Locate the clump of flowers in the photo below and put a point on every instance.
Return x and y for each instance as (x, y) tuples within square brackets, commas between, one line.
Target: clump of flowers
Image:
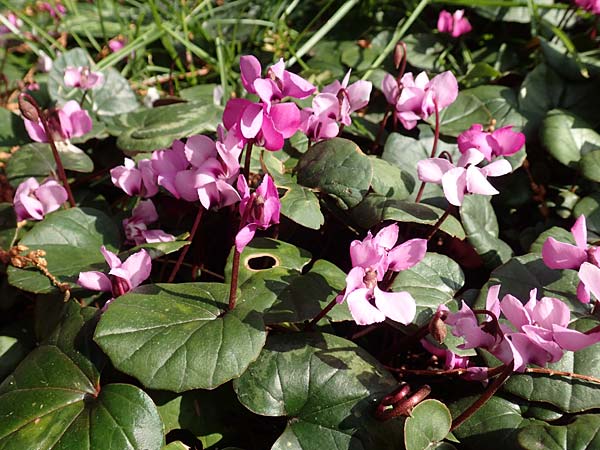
[(136, 226), (500, 142), (417, 98)]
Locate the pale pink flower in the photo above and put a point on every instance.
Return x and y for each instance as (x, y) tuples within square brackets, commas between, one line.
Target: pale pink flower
[(44, 63), (133, 179), (199, 170), (13, 20), (465, 177), (351, 98), (65, 122), (82, 78), (34, 201), (371, 259), (500, 142), (417, 98), (455, 24), (136, 226), (122, 277), (560, 255), (258, 210), (56, 11)]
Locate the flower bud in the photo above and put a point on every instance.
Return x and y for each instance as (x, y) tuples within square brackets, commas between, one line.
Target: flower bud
[(29, 108), (437, 327)]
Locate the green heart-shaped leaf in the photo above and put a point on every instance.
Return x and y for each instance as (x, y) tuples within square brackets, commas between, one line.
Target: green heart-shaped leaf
[(428, 424), (178, 337), (72, 239), (326, 386)]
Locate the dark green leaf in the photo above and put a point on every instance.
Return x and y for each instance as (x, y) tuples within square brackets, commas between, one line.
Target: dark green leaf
[(152, 129), (568, 137), (590, 165), (326, 386), (16, 341), (376, 208), (581, 434), (428, 424), (178, 337), (480, 224), (339, 168), (302, 206), (432, 282), (390, 180), (8, 225), (71, 239), (36, 160), (12, 130), (590, 207)]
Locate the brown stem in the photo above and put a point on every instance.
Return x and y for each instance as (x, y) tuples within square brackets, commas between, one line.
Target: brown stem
[(492, 372), (381, 128), (402, 404), (235, 270), (59, 166), (439, 223), (489, 392), (187, 247), (365, 331), (310, 325)]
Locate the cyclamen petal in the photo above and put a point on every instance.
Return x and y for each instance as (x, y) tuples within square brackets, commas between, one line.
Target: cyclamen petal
[(560, 255), (407, 254), (398, 306), (454, 184), (95, 281), (433, 169), (363, 312), (589, 275)]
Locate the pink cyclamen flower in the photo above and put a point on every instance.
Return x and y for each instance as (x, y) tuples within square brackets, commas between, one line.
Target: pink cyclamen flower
[(465, 178), (122, 277), (536, 333), (258, 210), (65, 123), (117, 43), (455, 24), (199, 170), (560, 255), (44, 63), (34, 201), (83, 78), (334, 104), (418, 98), (500, 142), (592, 6), (136, 226), (140, 180), (371, 259)]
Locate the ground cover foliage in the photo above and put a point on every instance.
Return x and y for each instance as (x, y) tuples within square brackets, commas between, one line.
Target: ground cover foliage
[(299, 225)]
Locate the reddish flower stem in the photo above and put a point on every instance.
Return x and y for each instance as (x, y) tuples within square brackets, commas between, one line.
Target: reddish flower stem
[(187, 247), (235, 268), (439, 223), (310, 325), (59, 165), (488, 393), (436, 138)]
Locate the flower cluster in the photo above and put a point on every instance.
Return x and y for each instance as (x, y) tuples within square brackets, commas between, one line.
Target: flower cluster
[(372, 258), (64, 123), (136, 227), (416, 98), (534, 333)]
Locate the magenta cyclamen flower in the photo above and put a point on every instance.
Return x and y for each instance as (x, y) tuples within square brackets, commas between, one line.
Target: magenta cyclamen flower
[(418, 98), (560, 255), (122, 277), (268, 122), (500, 142), (13, 20), (371, 259), (65, 122), (258, 210), (592, 6), (34, 201), (538, 332), (140, 180), (455, 24), (136, 227), (334, 104), (56, 11), (83, 78), (465, 178), (196, 170)]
